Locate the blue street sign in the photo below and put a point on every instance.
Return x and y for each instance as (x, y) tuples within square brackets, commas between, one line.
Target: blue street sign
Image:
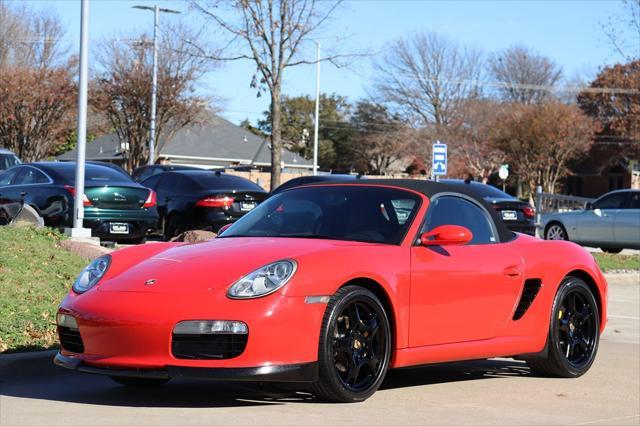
[(439, 159)]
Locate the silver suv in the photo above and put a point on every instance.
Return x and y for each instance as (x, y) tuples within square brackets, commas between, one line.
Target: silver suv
[(8, 159)]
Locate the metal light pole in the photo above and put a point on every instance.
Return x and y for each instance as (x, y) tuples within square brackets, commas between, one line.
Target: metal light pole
[(317, 120), (78, 211), (154, 78)]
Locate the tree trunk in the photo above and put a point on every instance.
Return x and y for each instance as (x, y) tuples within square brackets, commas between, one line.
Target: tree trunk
[(276, 141)]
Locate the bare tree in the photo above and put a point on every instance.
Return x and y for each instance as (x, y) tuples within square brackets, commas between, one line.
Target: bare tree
[(524, 76), (273, 34), (31, 38), (428, 76), (469, 139), (123, 94), (623, 31)]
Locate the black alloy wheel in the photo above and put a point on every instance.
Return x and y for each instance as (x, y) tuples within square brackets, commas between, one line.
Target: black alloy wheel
[(355, 346), (574, 332)]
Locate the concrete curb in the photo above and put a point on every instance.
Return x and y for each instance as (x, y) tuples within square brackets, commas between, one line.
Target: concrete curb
[(623, 278), (23, 364)]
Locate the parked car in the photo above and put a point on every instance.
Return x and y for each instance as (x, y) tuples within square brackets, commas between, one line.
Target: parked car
[(518, 215), (115, 207), (326, 285), (612, 222), (144, 172), (305, 180), (201, 199), (8, 159)]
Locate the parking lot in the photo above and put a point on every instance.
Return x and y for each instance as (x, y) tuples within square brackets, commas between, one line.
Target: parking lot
[(498, 391)]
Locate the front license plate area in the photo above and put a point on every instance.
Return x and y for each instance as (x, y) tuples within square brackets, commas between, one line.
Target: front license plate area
[(118, 228), (246, 206), (509, 215)]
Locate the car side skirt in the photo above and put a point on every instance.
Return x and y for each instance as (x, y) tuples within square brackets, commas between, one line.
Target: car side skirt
[(302, 373)]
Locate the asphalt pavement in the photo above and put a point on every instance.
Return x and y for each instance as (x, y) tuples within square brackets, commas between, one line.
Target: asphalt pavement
[(497, 391)]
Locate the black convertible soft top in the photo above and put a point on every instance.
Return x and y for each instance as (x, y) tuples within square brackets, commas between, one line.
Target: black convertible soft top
[(430, 188)]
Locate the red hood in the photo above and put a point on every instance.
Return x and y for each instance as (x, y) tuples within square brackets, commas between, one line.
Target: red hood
[(205, 267)]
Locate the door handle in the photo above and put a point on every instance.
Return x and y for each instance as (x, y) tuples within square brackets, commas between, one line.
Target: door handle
[(22, 194), (512, 271)]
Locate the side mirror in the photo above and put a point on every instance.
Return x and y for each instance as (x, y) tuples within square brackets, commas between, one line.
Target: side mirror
[(224, 228), (446, 235), (588, 205)]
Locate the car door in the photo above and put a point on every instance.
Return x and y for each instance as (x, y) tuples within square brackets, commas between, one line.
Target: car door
[(462, 293), (627, 222), (596, 225)]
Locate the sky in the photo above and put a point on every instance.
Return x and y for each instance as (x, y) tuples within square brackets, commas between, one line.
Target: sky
[(567, 31)]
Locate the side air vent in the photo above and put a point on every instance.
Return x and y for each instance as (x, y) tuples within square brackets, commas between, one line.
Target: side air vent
[(529, 292)]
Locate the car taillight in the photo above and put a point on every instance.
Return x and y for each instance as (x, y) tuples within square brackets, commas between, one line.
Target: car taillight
[(528, 212), (85, 199), (224, 202), (151, 199)]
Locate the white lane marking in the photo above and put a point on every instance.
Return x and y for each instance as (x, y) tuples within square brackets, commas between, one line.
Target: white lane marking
[(607, 420), (624, 317)]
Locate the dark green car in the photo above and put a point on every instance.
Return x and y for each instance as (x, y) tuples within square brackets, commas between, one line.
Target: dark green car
[(115, 207)]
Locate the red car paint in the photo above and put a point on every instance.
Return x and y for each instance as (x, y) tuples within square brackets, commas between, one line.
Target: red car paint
[(449, 304)]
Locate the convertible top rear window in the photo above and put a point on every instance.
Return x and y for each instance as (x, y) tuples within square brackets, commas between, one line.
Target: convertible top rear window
[(351, 213)]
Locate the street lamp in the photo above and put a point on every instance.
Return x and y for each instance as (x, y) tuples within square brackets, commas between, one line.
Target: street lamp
[(317, 112), (78, 231), (154, 79)]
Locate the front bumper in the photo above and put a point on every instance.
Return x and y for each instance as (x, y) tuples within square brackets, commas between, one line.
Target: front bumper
[(301, 373), (134, 330)]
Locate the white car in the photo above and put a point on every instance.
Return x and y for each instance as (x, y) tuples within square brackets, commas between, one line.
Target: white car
[(612, 222), (8, 159)]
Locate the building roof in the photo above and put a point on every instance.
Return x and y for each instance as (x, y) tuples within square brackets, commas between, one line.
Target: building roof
[(214, 139), (105, 148)]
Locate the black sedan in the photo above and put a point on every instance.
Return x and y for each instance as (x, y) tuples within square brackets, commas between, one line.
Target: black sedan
[(202, 199), (306, 180), (518, 215), (115, 207)]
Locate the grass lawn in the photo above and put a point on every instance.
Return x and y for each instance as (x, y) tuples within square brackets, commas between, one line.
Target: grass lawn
[(611, 262), (35, 274)]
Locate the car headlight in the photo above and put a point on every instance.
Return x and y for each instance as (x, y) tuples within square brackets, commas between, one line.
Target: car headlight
[(92, 274), (263, 281)]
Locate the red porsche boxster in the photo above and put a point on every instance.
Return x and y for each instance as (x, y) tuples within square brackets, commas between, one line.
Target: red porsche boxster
[(333, 284)]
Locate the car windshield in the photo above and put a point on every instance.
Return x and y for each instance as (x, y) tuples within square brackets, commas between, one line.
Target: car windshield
[(342, 212), (94, 175), (213, 181), (488, 191), (8, 160)]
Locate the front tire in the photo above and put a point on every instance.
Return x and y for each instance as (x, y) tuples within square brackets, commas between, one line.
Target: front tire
[(355, 346), (138, 382), (574, 332)]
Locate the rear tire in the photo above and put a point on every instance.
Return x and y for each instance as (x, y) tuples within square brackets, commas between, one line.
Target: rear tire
[(355, 346), (555, 231), (611, 250), (173, 227), (138, 382), (574, 332)]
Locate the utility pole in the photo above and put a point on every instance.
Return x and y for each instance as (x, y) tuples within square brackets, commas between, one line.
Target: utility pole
[(317, 120), (154, 77), (78, 231)]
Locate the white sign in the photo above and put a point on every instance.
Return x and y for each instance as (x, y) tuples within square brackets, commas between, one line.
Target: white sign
[(439, 159), (504, 172)]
